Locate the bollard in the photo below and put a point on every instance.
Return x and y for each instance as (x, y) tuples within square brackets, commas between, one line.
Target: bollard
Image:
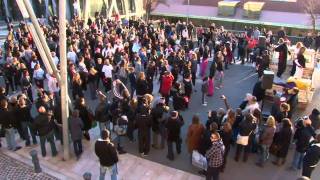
[(87, 176), (34, 155)]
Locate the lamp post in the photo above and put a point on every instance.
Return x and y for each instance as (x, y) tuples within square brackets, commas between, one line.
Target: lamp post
[(64, 80), (188, 12)]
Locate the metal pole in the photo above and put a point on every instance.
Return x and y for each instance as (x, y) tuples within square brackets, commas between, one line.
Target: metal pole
[(188, 12), (64, 80)]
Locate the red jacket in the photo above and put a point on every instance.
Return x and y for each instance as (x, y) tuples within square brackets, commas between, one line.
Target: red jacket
[(166, 84)]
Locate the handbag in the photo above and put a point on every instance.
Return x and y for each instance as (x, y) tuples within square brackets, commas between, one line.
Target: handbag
[(198, 160), (242, 140), (274, 148)]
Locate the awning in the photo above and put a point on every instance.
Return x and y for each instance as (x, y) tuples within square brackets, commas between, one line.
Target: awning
[(227, 8), (252, 9)]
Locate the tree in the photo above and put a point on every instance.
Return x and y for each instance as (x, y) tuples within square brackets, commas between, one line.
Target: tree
[(312, 7)]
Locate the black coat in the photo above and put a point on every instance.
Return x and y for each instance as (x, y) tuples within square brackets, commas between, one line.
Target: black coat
[(143, 122), (141, 87), (283, 140), (302, 137), (43, 124), (173, 129), (106, 153), (6, 119)]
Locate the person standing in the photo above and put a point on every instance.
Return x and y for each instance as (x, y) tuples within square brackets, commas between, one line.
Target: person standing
[(204, 90), (143, 121), (302, 138), (173, 127), (44, 124), (8, 124), (282, 141), (283, 56), (107, 70), (214, 157), (312, 157), (266, 140), (195, 132), (76, 126), (300, 62), (107, 154), (166, 85)]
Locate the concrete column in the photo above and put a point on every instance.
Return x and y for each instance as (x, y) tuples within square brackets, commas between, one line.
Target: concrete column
[(64, 78)]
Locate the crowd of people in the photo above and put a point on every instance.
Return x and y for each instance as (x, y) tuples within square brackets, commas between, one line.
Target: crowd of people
[(126, 59)]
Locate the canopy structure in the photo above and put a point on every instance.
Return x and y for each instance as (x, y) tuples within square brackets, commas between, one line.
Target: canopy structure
[(269, 18), (252, 9), (227, 8)]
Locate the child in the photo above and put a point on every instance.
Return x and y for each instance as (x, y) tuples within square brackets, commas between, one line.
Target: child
[(210, 86), (76, 126), (204, 90)]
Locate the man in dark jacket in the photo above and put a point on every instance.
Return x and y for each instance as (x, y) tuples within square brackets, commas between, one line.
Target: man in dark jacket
[(315, 119), (8, 124), (312, 157), (283, 55), (143, 121), (107, 154), (45, 126), (173, 126), (302, 138), (157, 114)]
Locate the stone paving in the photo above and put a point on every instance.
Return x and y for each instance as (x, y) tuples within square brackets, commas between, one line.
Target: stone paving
[(12, 169)]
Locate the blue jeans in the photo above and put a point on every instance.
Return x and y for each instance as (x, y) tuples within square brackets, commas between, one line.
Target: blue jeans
[(113, 170), (50, 138), (10, 138), (297, 160), (263, 153), (26, 127)]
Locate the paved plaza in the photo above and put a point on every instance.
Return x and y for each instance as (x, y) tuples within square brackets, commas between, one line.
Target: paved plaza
[(239, 80)]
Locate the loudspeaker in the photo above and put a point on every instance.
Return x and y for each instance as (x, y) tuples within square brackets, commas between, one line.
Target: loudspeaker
[(267, 79)]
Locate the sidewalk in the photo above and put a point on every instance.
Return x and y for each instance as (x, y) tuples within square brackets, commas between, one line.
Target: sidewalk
[(130, 167)]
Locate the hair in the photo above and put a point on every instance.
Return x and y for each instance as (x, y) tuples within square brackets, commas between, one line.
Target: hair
[(227, 127), (75, 113), (215, 135), (105, 134), (231, 116), (271, 122), (285, 107), (302, 50), (213, 127), (141, 76), (195, 119), (286, 123), (4, 103)]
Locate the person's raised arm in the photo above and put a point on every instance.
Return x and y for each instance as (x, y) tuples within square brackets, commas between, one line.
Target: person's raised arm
[(224, 98)]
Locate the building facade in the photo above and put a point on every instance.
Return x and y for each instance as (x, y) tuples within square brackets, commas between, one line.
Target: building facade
[(85, 8)]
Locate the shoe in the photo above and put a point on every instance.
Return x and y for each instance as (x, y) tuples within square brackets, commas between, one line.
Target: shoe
[(204, 104), (154, 146), (217, 87), (27, 143), (276, 163), (17, 148), (171, 159), (121, 151), (143, 155), (259, 165)]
